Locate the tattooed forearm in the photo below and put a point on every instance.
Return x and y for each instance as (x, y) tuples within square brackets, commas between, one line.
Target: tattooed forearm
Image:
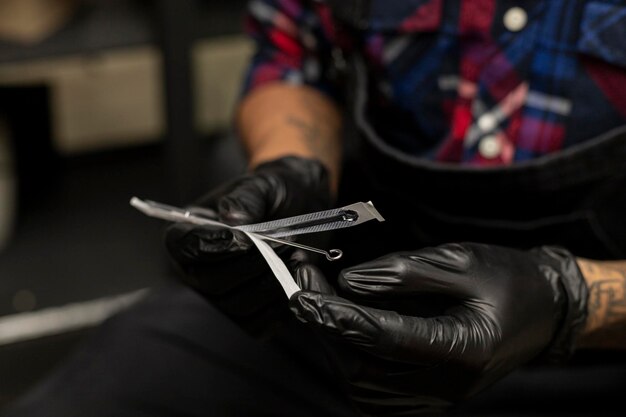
[(606, 321), (313, 133), (310, 130), (279, 120)]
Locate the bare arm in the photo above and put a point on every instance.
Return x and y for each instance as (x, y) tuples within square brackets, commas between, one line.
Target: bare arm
[(279, 119), (606, 321)]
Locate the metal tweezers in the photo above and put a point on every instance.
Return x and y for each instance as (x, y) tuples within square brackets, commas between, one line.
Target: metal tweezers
[(320, 221)]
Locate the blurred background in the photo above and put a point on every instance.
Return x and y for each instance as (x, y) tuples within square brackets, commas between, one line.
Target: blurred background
[(102, 100)]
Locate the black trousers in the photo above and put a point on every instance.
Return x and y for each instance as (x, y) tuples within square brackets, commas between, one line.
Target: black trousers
[(173, 354)]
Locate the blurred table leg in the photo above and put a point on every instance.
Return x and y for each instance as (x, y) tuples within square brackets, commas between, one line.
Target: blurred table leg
[(182, 145), (7, 185)]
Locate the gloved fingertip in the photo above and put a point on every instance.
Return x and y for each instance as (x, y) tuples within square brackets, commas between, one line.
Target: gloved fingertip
[(235, 218), (232, 212), (191, 243), (305, 306), (310, 278), (336, 317), (348, 281), (372, 283), (298, 258)]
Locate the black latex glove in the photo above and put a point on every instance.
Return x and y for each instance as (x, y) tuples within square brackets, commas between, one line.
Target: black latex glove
[(225, 266), (504, 307)]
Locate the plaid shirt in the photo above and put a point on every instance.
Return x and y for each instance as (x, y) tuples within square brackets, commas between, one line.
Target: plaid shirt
[(481, 82)]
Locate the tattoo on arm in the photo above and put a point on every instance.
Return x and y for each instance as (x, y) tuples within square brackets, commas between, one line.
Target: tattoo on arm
[(606, 320), (317, 131), (310, 131), (279, 120)]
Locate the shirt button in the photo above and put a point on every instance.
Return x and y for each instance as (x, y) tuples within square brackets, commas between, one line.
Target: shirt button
[(489, 147), (515, 19), (487, 122)]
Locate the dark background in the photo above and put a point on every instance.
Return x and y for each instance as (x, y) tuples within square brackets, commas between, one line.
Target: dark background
[(75, 237)]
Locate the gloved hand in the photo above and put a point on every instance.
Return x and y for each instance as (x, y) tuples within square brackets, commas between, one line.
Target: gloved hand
[(504, 307), (225, 266)]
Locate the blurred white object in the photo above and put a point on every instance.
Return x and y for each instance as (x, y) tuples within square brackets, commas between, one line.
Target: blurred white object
[(33, 325), (8, 186)]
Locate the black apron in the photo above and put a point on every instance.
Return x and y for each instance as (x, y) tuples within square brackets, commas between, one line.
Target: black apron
[(575, 198)]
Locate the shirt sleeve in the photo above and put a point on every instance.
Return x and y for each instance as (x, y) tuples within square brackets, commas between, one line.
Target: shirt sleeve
[(292, 44)]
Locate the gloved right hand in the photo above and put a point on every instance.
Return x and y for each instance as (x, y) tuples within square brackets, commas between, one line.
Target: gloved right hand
[(503, 308), (225, 266)]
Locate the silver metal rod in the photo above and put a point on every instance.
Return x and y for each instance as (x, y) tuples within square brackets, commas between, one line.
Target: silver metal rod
[(331, 255)]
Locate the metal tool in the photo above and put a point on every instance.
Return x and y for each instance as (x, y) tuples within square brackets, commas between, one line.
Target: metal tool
[(331, 255), (321, 221)]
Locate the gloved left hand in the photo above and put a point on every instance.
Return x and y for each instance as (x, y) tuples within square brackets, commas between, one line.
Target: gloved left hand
[(504, 307), (224, 265)]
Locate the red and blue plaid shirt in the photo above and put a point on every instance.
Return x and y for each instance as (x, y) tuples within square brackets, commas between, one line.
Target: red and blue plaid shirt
[(480, 82)]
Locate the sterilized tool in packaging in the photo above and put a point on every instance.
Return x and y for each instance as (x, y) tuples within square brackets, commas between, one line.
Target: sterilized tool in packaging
[(321, 221)]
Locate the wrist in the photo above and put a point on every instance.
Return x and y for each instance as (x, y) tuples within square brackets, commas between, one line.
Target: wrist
[(605, 326), (262, 158), (303, 182), (279, 119), (310, 172), (570, 291)]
